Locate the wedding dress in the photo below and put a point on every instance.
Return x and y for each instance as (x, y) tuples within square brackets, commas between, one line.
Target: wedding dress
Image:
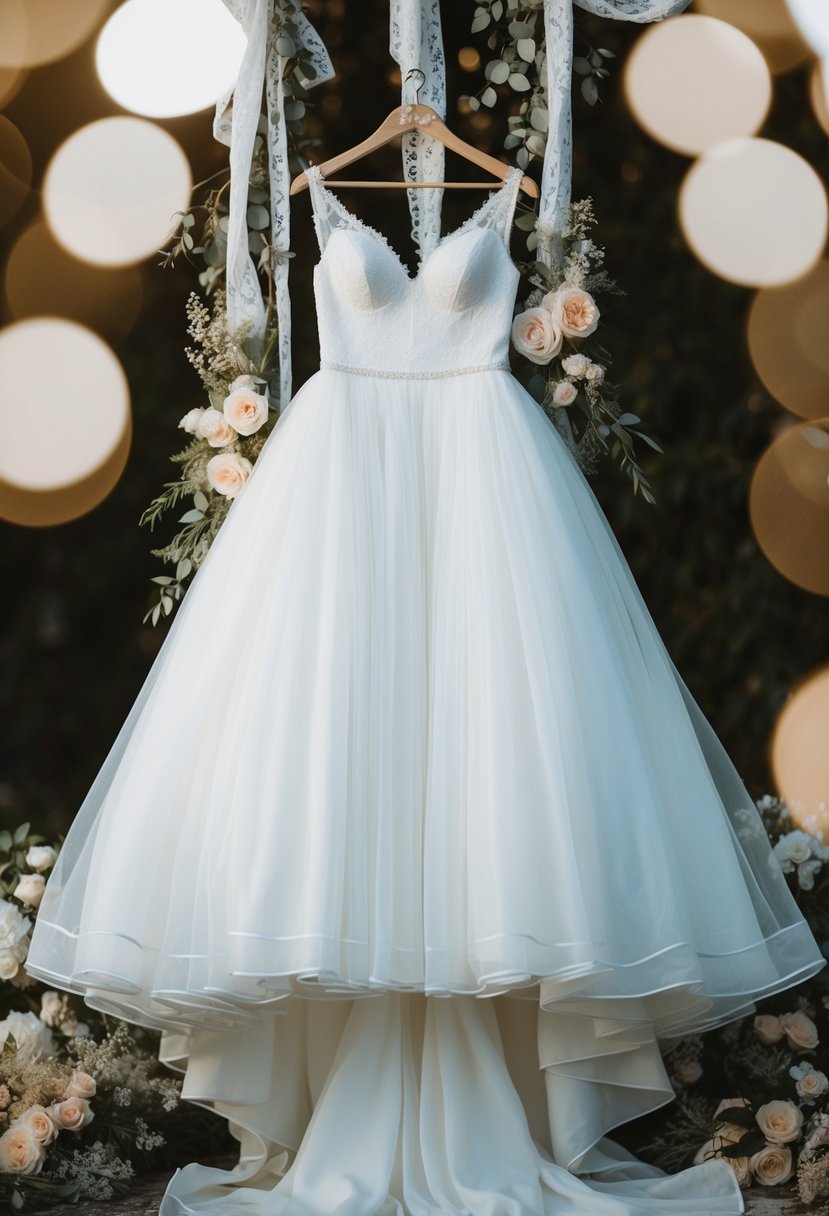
[(414, 844)]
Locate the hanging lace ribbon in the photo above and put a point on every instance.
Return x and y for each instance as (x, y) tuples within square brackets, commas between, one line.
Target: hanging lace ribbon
[(235, 124), (416, 44), (558, 156)]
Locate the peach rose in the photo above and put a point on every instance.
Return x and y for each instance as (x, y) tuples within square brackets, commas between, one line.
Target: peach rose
[(81, 1085), (565, 393), (772, 1165), (215, 428), (768, 1028), (245, 410), (228, 472), (574, 311), (20, 1151), (72, 1113), (800, 1031), (30, 888), (780, 1120), (536, 335), (729, 1102), (40, 1121)]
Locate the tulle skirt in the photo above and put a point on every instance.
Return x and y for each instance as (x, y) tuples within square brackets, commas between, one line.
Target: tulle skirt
[(413, 735)]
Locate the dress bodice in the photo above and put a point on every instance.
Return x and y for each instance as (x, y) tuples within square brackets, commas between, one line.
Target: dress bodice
[(453, 315)]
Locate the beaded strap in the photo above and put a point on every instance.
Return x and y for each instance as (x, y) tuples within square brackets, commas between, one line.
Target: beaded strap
[(430, 375)]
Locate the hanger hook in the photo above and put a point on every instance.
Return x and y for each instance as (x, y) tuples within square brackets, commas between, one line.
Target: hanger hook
[(422, 81)]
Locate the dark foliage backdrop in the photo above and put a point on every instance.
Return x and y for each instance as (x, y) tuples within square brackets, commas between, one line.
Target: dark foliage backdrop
[(73, 652)]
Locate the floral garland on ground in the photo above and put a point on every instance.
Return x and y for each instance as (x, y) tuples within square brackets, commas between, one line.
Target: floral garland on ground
[(229, 433), (776, 1061), (561, 314), (84, 1105)]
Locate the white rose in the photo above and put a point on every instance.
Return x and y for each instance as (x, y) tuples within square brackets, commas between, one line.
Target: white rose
[(190, 421), (215, 428), (565, 393), (772, 1165), (228, 472), (768, 1029), (20, 1151), (41, 856), (52, 1007), (576, 365), (245, 410), (9, 964), (807, 871), (243, 381), (81, 1085), (13, 928), (40, 1121), (32, 1039), (574, 310), (595, 372), (780, 1120), (74, 1029), (810, 1084), (536, 335), (72, 1113), (29, 889), (800, 1031)]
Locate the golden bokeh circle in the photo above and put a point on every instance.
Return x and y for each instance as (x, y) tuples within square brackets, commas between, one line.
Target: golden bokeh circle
[(799, 755), (789, 504), (769, 23), (787, 339)]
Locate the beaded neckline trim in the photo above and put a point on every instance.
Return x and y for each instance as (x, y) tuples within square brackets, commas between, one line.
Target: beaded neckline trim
[(398, 375)]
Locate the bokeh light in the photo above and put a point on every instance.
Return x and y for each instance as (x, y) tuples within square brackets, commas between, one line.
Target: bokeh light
[(164, 60), (34, 32), (769, 23), (787, 332), (469, 60), (754, 212), (812, 20), (817, 95), (41, 277), (694, 81), (65, 407), (799, 755), (111, 190), (789, 504), (15, 169)]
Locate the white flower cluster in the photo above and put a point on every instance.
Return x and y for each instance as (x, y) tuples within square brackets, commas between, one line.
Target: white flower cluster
[(816, 1134), (243, 412), (23, 1145), (92, 1168), (803, 852), (14, 939), (810, 1082)]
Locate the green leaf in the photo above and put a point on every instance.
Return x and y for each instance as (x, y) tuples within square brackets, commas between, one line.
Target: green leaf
[(21, 833), (163, 580), (156, 613), (190, 517), (183, 568), (188, 221), (650, 441), (497, 71), (473, 103), (581, 66), (294, 110), (200, 500), (628, 419), (480, 23), (5, 841), (537, 144), (539, 118), (167, 604), (489, 96), (497, 10), (526, 49), (285, 45), (519, 81), (605, 53), (520, 29), (526, 222), (590, 90), (257, 217)]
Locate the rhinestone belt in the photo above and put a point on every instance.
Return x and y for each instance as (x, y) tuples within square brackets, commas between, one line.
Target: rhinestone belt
[(395, 375)]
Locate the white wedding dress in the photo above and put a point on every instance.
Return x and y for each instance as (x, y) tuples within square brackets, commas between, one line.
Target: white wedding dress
[(414, 844)]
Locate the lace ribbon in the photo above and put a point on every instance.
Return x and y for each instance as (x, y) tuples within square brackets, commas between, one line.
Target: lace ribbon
[(235, 124), (416, 44), (558, 156)]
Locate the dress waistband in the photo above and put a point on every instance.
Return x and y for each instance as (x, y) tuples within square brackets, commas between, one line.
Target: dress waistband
[(398, 375)]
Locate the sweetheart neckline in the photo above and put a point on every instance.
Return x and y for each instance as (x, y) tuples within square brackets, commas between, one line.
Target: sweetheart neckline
[(510, 182)]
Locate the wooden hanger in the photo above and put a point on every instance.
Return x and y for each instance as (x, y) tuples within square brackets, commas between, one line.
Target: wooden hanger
[(410, 118)]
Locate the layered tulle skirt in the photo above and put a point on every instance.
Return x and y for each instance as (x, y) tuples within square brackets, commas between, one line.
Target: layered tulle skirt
[(413, 735)]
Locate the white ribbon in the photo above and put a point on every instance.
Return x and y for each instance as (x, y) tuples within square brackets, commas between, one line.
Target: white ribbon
[(556, 176), (235, 124), (416, 44)]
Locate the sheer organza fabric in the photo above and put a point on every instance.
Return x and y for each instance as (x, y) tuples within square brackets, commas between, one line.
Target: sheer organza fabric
[(413, 818)]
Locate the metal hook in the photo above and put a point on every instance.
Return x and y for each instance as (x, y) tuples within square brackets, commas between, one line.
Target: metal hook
[(420, 86)]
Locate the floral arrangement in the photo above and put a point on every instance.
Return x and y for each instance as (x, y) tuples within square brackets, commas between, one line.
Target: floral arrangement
[(229, 433), (561, 314), (84, 1105), (776, 1130)]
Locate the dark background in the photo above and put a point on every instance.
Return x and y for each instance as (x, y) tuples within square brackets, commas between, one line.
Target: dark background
[(73, 650)]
